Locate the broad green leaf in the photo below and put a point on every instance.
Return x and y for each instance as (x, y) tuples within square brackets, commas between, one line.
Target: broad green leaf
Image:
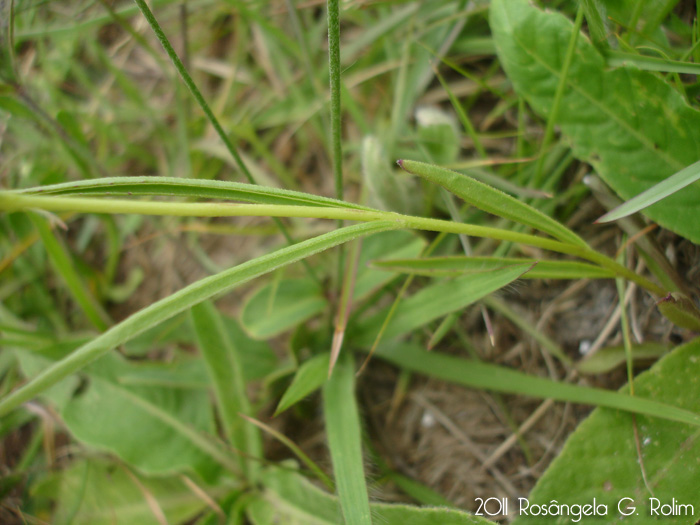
[(631, 125), (606, 359), (486, 376), (435, 301), (224, 363), (608, 469), (180, 187), (654, 194), (280, 306), (290, 499), (345, 441), (259, 359), (491, 200), (309, 377), (180, 301), (164, 424), (94, 492), (455, 265)]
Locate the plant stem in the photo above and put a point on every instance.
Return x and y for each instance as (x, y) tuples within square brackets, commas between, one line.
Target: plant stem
[(11, 202), (334, 68)]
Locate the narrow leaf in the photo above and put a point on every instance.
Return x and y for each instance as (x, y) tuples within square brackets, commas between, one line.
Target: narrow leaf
[(180, 301), (224, 365), (436, 301), (491, 200), (606, 359), (457, 264), (486, 376), (63, 265), (649, 63), (659, 191), (180, 187), (345, 442)]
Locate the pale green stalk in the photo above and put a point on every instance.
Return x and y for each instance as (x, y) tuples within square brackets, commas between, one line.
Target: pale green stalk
[(17, 202)]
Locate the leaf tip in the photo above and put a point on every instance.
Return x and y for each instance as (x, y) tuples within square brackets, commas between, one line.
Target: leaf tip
[(400, 164), (602, 219)]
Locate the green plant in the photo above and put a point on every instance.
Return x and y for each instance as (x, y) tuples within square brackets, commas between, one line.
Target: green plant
[(136, 390)]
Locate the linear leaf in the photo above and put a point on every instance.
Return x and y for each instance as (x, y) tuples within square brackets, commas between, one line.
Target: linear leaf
[(491, 200), (182, 300), (63, 265), (435, 301), (345, 442), (631, 125), (659, 191), (223, 362), (486, 376), (459, 264), (178, 187), (606, 359), (648, 63)]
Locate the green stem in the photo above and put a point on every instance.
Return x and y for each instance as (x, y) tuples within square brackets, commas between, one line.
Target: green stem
[(334, 68), (558, 96), (187, 79), (11, 202)]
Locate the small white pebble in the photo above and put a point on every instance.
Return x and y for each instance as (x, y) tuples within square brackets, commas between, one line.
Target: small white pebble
[(584, 347), (428, 420)]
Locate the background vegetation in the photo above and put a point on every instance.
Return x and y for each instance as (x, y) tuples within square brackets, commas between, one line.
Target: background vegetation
[(223, 301)]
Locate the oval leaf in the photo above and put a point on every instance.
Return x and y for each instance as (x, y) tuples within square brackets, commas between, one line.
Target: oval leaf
[(600, 459), (631, 125)]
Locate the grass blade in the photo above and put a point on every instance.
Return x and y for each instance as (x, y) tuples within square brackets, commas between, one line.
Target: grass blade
[(435, 301), (61, 261), (659, 191), (187, 79), (180, 301), (491, 200), (345, 442), (648, 63), (500, 379), (180, 187), (224, 366)]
